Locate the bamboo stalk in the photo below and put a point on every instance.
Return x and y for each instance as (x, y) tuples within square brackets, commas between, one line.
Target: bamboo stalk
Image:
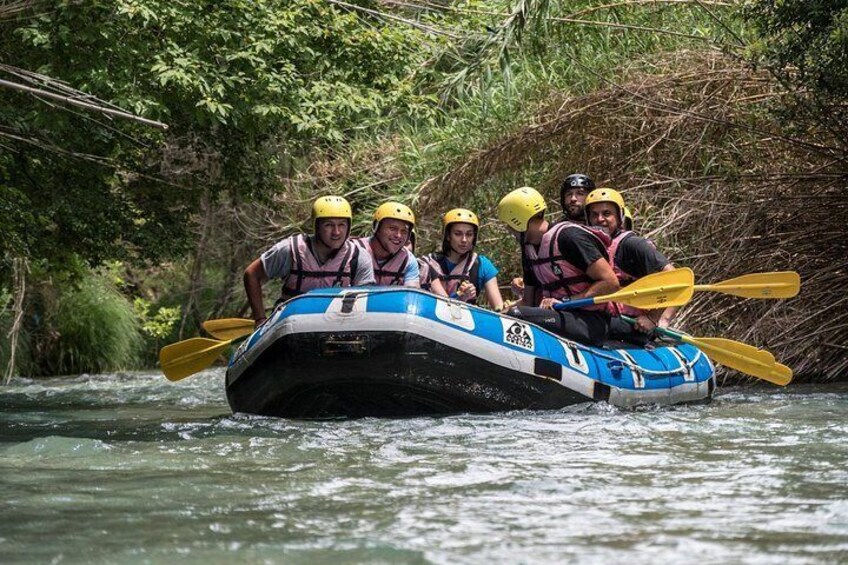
[(79, 103)]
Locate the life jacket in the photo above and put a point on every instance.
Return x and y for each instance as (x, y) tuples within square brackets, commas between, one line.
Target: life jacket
[(307, 273), (466, 270), (392, 271), (428, 272), (624, 278), (558, 278)]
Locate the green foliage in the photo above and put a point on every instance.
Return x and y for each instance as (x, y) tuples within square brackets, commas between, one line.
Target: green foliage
[(804, 43), (158, 325), (807, 39), (245, 86), (88, 327)]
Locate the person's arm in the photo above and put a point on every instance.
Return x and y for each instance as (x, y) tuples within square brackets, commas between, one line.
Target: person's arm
[(411, 278), (493, 294), (531, 296), (254, 276), (641, 258), (604, 280), (364, 275), (659, 317), (436, 287)]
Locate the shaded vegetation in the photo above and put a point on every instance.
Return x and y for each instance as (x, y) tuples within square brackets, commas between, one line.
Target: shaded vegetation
[(437, 104)]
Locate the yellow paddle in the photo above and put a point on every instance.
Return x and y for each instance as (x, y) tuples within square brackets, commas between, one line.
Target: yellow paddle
[(184, 358), (781, 375), (657, 290), (228, 328), (782, 284), (734, 354)]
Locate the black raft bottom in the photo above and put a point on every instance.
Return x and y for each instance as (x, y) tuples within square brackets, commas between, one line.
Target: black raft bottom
[(386, 374)]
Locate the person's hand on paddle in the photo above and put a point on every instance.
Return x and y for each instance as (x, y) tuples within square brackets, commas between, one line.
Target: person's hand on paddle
[(466, 291), (517, 287), (644, 324), (549, 303), (507, 305)]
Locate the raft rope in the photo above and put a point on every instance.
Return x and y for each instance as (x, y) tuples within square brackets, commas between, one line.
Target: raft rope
[(684, 368)]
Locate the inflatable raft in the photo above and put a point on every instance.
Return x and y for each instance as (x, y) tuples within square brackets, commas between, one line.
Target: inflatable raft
[(353, 352)]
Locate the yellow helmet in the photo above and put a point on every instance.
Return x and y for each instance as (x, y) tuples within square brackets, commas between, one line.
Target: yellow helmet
[(460, 215), (628, 219), (395, 211), (516, 208), (330, 207), (606, 195), (456, 216)]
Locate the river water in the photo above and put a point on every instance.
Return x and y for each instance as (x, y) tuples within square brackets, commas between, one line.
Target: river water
[(130, 468)]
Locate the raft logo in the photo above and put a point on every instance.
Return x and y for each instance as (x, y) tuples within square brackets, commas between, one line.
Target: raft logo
[(516, 333)]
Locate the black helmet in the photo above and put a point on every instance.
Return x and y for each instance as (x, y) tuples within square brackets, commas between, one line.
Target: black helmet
[(576, 180)]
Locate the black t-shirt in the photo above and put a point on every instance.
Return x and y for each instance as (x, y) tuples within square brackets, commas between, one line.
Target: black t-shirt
[(579, 248), (638, 258)]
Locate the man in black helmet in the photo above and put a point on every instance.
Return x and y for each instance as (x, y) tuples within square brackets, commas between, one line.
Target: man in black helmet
[(572, 194)]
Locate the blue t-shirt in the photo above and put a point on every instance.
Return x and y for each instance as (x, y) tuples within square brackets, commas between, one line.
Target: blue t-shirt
[(412, 273), (486, 272)]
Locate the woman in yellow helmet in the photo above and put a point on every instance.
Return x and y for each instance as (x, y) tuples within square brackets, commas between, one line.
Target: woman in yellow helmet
[(327, 258), (466, 274)]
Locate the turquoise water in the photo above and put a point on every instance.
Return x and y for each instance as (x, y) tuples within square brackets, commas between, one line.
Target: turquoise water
[(130, 468)]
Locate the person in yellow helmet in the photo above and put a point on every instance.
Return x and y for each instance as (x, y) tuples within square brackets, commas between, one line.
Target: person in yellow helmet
[(632, 257), (466, 274), (560, 262), (326, 258), (394, 264)]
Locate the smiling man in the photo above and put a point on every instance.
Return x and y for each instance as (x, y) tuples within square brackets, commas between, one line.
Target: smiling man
[(327, 258), (394, 264), (631, 257)]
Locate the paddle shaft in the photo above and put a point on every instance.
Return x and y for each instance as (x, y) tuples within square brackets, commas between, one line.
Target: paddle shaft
[(657, 290)]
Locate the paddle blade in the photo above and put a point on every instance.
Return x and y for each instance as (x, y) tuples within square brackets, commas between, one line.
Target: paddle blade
[(184, 358), (736, 355), (229, 328), (781, 375), (783, 284), (657, 290)]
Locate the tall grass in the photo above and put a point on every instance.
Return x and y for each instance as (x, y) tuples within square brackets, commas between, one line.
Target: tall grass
[(88, 327)]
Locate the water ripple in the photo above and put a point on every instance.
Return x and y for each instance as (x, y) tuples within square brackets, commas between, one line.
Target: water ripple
[(129, 467)]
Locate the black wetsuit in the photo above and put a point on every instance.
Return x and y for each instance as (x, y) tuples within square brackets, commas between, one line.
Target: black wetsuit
[(586, 326)]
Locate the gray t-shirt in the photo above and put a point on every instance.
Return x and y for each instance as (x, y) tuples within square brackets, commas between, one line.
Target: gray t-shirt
[(277, 262)]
